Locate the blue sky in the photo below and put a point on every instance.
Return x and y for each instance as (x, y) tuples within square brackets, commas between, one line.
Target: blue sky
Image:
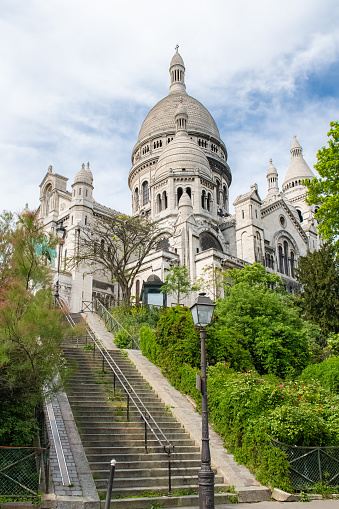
[(78, 77)]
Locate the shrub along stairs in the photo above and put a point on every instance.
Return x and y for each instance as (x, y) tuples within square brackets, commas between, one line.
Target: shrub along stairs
[(111, 426)]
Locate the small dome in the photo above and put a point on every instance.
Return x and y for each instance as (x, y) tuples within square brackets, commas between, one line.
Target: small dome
[(84, 176), (177, 59), (185, 201), (182, 153), (298, 168), (271, 171), (181, 110)]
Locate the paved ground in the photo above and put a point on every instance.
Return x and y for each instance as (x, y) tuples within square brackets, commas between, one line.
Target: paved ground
[(315, 504)]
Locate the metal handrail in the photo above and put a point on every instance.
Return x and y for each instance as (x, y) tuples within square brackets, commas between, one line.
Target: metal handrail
[(107, 316), (129, 390)]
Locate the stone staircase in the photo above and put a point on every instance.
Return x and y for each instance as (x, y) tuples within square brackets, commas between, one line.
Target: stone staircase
[(141, 478)]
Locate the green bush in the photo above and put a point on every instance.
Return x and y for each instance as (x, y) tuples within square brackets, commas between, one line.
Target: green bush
[(257, 326), (178, 341), (122, 339), (326, 372), (148, 344), (133, 319), (18, 424)]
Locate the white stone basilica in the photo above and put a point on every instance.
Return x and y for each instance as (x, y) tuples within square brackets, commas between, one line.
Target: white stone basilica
[(180, 176)]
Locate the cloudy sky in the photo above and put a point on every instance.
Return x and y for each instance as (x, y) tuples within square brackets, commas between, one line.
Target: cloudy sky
[(77, 78)]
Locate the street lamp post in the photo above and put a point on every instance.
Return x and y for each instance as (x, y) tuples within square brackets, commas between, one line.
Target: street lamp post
[(202, 312), (61, 234)]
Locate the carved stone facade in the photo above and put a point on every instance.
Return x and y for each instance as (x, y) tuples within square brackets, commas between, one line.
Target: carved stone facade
[(180, 176)]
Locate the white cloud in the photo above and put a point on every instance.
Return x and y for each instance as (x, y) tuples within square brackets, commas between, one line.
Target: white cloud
[(79, 77)]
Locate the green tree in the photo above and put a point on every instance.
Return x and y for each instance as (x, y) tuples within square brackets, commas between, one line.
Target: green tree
[(117, 244), (318, 274), (31, 329), (178, 283), (324, 191), (211, 281), (258, 316)]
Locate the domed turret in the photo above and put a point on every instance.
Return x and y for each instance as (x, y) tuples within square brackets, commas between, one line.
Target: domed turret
[(185, 206), (272, 183), (177, 72), (84, 176), (298, 171)]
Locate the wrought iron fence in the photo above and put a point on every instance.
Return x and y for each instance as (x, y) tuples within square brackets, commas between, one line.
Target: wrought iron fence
[(24, 471), (310, 465)]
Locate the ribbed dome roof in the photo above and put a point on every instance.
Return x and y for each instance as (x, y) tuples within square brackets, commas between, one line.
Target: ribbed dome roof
[(298, 168), (177, 60), (161, 118), (271, 171), (181, 153), (84, 176)]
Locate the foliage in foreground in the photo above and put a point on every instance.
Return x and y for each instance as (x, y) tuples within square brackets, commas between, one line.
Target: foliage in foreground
[(318, 273), (326, 372), (31, 329), (247, 409), (257, 327), (323, 191)]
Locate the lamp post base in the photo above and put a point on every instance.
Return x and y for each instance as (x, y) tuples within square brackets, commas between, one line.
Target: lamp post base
[(206, 487)]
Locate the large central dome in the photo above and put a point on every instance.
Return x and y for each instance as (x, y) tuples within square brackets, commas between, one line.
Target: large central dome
[(161, 118), (159, 129)]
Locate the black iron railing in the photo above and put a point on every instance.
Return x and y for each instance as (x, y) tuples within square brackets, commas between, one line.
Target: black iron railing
[(111, 323), (132, 397), (310, 465)]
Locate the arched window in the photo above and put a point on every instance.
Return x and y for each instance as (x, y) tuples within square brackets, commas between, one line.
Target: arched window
[(286, 257), (218, 192), (159, 203), (281, 260), (179, 194), (209, 202), (203, 198), (145, 193), (292, 263), (136, 198), (48, 198), (224, 196), (188, 191), (164, 200), (300, 215)]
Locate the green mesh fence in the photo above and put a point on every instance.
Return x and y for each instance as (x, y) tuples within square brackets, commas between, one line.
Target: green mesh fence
[(310, 465), (24, 471)]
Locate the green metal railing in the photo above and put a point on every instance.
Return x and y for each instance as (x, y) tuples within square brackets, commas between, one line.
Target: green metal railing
[(24, 471), (310, 465), (112, 323)]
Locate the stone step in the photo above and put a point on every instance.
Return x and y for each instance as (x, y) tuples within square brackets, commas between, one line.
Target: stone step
[(143, 457), (152, 471), (98, 466), (155, 483), (125, 450), (133, 433), (107, 421), (168, 502), (105, 434), (117, 441)]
